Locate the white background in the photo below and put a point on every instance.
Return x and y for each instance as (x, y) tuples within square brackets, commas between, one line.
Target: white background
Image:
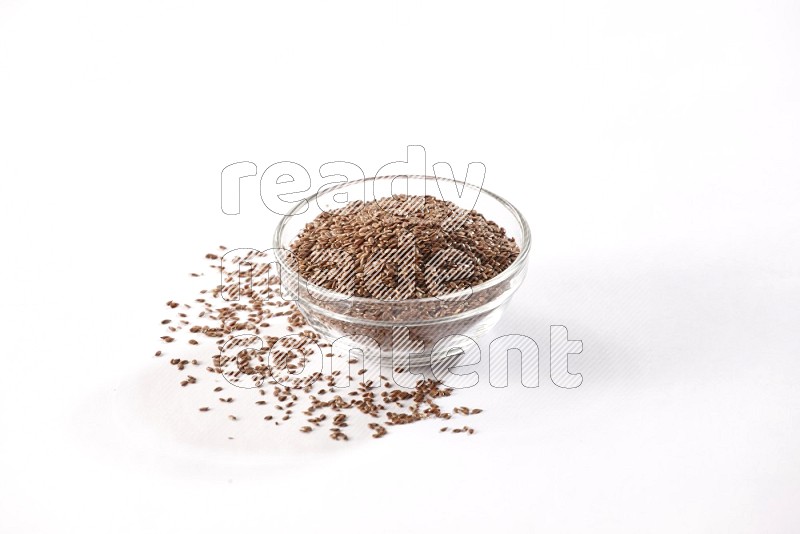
[(653, 148)]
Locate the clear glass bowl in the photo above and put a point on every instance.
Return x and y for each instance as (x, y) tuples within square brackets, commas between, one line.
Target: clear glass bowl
[(422, 327)]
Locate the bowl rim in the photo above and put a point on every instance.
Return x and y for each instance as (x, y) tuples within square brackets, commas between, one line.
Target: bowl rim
[(518, 263)]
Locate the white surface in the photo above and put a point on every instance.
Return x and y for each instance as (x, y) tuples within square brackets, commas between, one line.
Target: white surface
[(652, 148)]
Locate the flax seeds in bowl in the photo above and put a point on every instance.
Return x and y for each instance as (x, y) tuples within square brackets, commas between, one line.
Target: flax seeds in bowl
[(416, 264), (403, 271)]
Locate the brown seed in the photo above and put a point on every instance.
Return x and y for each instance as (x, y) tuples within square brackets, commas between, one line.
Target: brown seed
[(394, 223), (222, 321)]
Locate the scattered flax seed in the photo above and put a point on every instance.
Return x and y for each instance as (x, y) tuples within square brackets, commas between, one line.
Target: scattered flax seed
[(259, 312), (338, 435), (379, 430)]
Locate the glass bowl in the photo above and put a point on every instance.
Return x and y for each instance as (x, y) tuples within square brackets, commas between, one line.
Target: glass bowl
[(432, 327)]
